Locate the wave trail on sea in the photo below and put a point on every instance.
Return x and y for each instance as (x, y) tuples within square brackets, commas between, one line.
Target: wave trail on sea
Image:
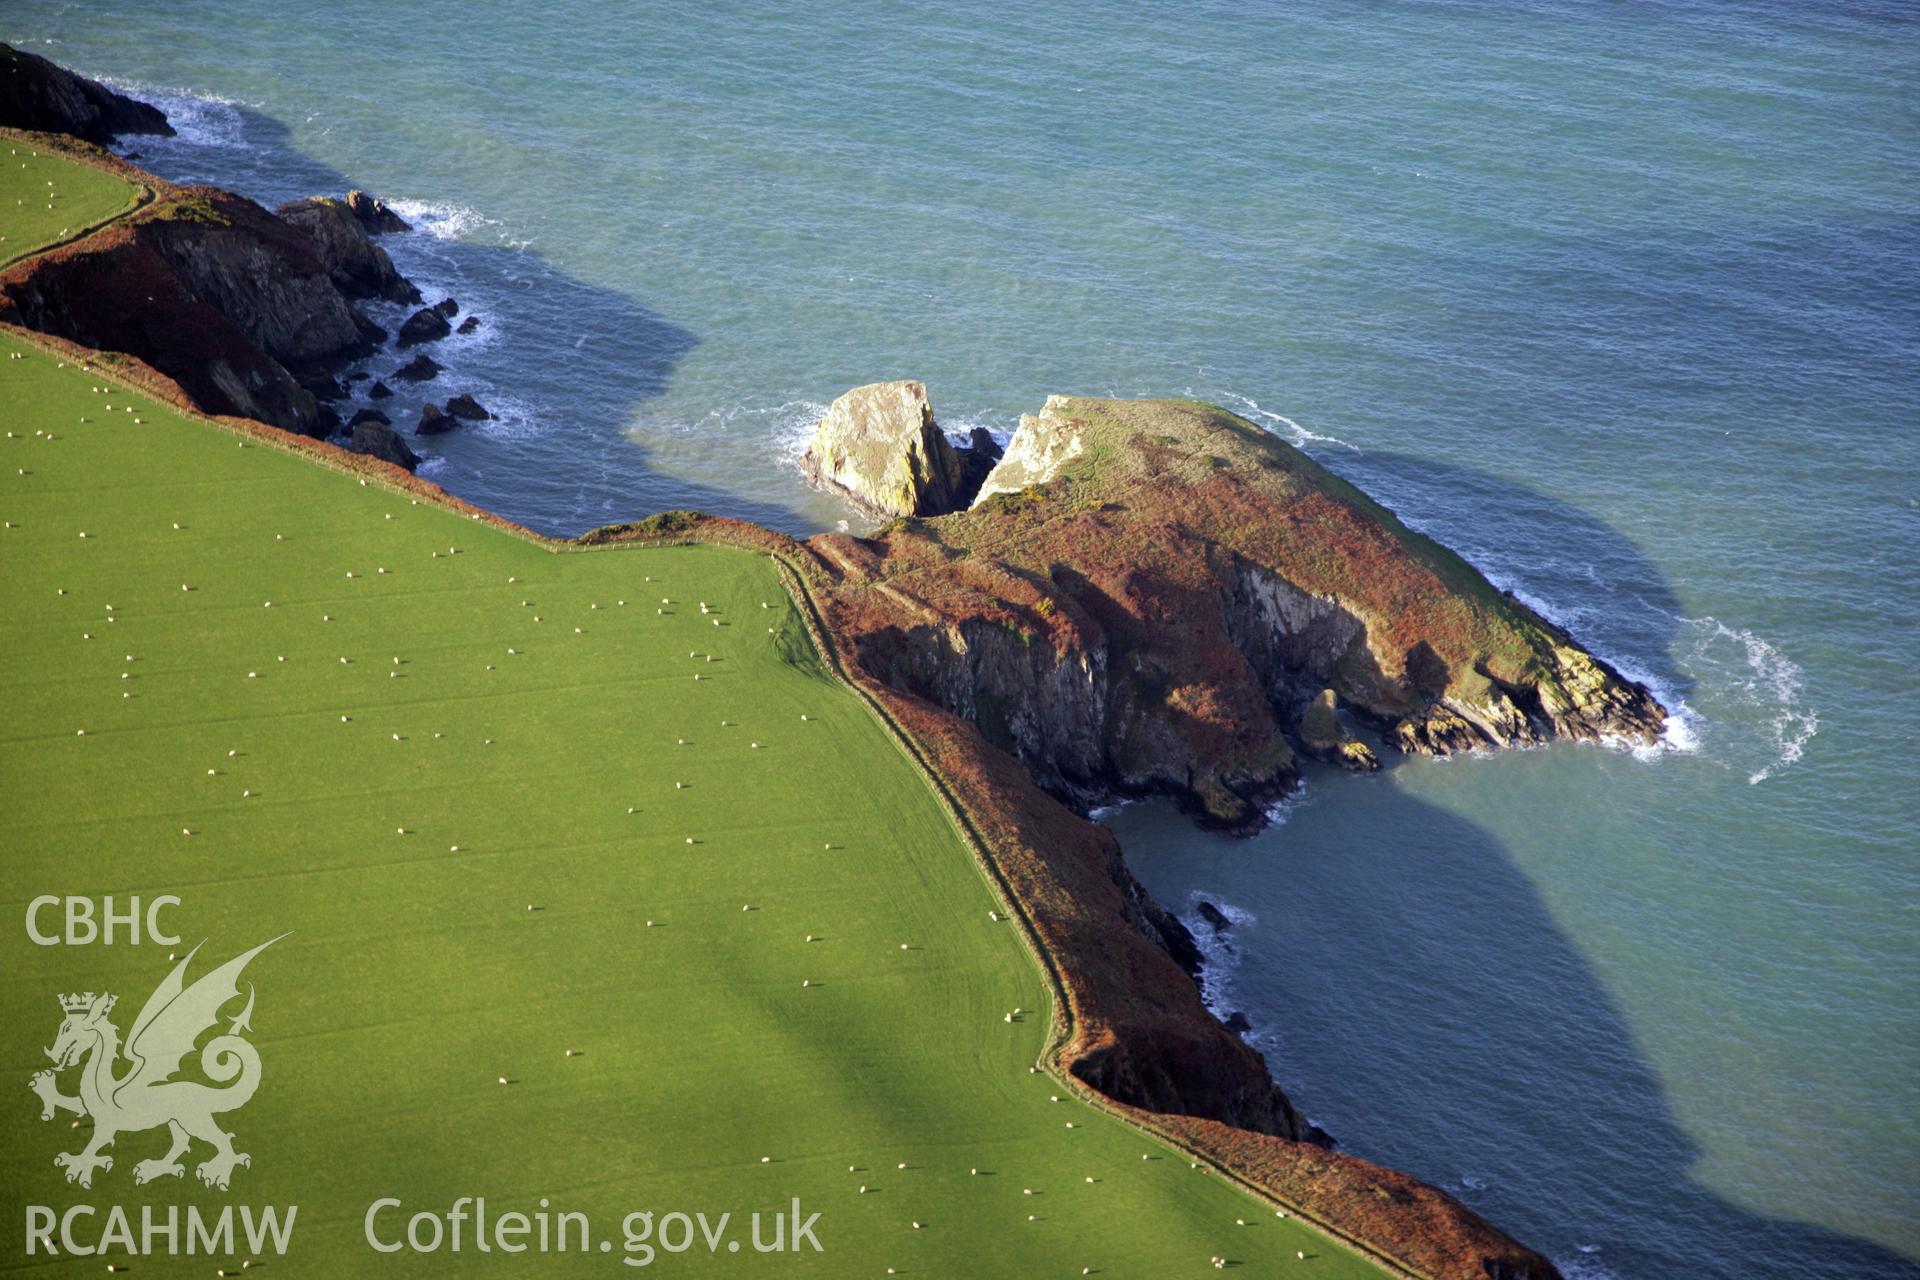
[(1762, 687), (1278, 423)]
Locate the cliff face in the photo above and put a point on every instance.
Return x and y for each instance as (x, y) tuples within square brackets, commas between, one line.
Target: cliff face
[(1169, 590), (358, 267), (211, 290), (35, 94)]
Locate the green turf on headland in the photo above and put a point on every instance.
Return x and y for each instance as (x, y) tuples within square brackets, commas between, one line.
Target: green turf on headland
[(231, 603), (46, 197)]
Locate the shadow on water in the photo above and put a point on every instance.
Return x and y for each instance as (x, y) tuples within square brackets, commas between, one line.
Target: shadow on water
[(563, 363), (1432, 1012)]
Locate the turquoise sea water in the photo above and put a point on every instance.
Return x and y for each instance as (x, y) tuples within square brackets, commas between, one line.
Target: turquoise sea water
[(1623, 300)]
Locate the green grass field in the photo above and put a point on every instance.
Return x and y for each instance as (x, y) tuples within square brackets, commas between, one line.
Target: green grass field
[(541, 712), (46, 198)]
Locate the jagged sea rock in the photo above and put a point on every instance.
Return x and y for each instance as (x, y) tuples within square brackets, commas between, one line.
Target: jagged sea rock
[(368, 415), (356, 264), (879, 445), (384, 443), (428, 324), (434, 421), (374, 214), (422, 368), (468, 409), (1042, 447), (35, 94), (379, 391), (468, 325)]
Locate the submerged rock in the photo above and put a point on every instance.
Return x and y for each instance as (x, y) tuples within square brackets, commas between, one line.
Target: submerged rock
[(879, 445), (35, 94), (357, 265), (422, 368), (384, 443), (466, 407)]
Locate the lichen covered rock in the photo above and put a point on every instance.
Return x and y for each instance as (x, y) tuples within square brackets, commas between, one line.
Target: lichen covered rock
[(879, 445), (1323, 737)]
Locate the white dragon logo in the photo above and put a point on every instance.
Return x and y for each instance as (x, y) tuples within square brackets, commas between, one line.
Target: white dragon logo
[(146, 1095)]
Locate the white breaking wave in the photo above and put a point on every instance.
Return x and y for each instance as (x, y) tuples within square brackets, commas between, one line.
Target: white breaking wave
[(444, 221), (1773, 686), (198, 119)]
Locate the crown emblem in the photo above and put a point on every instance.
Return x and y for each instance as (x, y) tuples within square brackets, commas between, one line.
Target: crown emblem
[(81, 1001)]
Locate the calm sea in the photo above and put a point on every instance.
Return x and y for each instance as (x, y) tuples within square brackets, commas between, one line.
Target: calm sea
[(1622, 299)]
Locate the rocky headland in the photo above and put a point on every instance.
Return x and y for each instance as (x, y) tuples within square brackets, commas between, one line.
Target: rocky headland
[(1138, 598), (253, 313), (38, 95), (1160, 598)]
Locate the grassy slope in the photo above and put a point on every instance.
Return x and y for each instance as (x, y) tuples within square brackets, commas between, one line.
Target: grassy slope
[(46, 198), (415, 975)]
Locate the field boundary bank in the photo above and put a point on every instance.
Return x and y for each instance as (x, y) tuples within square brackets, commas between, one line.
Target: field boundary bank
[(144, 192)]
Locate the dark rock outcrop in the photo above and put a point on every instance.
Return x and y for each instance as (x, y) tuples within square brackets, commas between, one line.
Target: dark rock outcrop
[(259, 273), (468, 409), (359, 267), (434, 420), (374, 214), (379, 391), (468, 325), (422, 368), (211, 290), (35, 94), (428, 324), (325, 388), (977, 460), (1214, 916), (384, 443), (368, 415)]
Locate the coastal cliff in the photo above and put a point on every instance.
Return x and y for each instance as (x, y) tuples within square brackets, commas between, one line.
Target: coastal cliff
[(1146, 597), (36, 94), (211, 290), (1157, 597)]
